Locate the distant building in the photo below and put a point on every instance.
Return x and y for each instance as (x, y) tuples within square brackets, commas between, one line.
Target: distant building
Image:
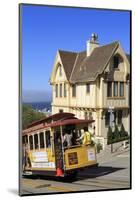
[(91, 83)]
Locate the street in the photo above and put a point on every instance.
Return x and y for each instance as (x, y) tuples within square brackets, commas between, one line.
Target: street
[(112, 173)]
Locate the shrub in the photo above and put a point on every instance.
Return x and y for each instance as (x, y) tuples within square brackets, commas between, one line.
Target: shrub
[(116, 136), (121, 139), (109, 135), (123, 133), (116, 133), (99, 147)]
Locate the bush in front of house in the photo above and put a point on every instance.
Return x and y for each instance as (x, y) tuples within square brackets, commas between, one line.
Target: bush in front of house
[(99, 147), (109, 135), (116, 135), (120, 139), (123, 133)]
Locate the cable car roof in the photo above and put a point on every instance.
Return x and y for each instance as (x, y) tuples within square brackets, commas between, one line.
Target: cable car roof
[(66, 120), (55, 117), (71, 122)]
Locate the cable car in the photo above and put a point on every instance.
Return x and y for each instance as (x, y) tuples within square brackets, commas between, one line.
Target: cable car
[(44, 152)]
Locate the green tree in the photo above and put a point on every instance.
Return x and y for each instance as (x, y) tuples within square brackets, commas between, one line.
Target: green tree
[(116, 133), (29, 115), (123, 133), (109, 135)]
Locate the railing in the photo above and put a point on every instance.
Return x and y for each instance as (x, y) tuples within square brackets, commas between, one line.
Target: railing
[(78, 145)]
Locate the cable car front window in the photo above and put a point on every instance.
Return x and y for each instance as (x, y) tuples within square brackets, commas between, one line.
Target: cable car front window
[(25, 139), (36, 141), (31, 142), (57, 137), (41, 136), (48, 139)]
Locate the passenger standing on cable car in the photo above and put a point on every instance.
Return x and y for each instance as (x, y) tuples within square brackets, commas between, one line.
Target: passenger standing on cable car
[(85, 137)]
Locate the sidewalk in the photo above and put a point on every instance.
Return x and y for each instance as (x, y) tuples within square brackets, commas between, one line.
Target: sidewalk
[(106, 155)]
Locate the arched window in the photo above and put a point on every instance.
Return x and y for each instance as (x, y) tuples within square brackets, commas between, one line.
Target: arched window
[(60, 70)]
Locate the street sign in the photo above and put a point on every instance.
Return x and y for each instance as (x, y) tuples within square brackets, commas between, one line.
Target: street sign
[(111, 111)]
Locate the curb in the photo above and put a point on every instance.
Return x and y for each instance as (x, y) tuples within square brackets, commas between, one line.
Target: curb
[(121, 152), (112, 154)]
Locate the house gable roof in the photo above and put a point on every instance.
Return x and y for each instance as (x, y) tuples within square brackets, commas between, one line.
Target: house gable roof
[(68, 60), (80, 68), (128, 57), (89, 67)]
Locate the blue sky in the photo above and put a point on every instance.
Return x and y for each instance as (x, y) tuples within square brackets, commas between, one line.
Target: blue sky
[(46, 29)]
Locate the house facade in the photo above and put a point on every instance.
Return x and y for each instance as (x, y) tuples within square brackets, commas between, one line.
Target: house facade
[(93, 84)]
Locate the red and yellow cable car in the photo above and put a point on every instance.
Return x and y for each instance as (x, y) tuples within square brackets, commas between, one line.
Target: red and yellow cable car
[(44, 152)]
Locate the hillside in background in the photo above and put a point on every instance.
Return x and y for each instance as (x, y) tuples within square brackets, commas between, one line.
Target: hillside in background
[(30, 115)]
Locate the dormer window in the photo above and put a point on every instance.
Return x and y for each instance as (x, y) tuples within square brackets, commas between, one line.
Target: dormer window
[(115, 62)]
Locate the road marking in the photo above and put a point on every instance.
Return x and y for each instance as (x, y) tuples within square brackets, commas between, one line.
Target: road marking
[(43, 186), (37, 185), (59, 188)]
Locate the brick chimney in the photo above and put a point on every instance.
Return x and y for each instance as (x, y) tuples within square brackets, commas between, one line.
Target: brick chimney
[(92, 43)]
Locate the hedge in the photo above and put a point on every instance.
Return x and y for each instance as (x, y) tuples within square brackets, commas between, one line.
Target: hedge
[(116, 136)]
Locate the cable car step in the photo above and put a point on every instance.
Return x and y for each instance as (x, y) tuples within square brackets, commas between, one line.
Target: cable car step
[(27, 173)]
